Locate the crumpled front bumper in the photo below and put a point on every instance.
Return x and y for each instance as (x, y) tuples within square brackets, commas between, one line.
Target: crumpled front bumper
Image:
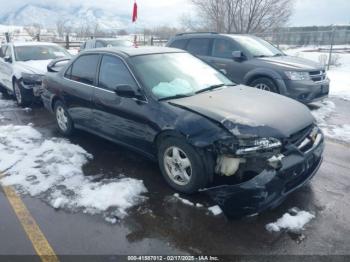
[(268, 189)]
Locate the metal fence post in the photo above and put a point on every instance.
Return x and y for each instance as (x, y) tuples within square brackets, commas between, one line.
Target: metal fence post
[(38, 37), (331, 49), (67, 41), (7, 36)]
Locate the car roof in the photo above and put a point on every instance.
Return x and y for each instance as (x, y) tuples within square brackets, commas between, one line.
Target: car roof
[(32, 43), (206, 34), (132, 51)]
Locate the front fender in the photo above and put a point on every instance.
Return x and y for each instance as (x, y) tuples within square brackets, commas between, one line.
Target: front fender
[(266, 72)]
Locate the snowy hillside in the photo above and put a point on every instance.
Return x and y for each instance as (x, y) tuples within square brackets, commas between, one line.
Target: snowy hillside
[(48, 17)]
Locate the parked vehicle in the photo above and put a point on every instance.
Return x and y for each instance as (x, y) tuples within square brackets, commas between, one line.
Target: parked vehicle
[(195, 122), (105, 42), (253, 61), (22, 66)]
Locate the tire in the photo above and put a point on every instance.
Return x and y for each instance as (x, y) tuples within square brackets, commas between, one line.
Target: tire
[(63, 119), (23, 97), (4, 92), (177, 156), (264, 83)]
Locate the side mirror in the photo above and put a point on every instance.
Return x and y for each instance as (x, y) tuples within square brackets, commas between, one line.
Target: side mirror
[(8, 59), (127, 91), (237, 56), (57, 64)]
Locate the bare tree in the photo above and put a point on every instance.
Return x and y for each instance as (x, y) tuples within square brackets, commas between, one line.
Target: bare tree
[(243, 16)]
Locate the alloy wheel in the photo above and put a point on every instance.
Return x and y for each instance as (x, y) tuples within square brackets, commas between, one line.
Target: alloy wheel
[(263, 86), (177, 166), (62, 119)]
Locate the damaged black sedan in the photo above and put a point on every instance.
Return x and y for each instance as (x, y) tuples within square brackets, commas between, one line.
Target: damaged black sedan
[(246, 147)]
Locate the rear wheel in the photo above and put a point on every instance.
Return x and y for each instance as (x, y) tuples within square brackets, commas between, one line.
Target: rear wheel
[(23, 96), (264, 83), (181, 165), (63, 119)]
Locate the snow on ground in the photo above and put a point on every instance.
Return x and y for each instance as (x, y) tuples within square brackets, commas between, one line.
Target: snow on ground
[(293, 221), (339, 75), (323, 114), (51, 169), (215, 210)]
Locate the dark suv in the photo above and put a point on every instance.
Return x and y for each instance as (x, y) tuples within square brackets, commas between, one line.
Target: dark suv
[(252, 61)]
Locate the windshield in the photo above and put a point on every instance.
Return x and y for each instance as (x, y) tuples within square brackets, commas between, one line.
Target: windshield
[(176, 74), (257, 47), (123, 43), (39, 52)]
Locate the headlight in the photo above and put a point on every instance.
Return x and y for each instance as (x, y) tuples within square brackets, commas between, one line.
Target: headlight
[(248, 146), (31, 79), (295, 75)]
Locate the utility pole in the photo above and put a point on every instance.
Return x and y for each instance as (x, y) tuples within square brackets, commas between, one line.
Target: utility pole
[(331, 49)]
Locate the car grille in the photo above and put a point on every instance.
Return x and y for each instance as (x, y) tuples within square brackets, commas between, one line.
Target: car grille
[(298, 139), (318, 76)]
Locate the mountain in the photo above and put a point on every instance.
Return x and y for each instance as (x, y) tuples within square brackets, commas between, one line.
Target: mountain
[(77, 17)]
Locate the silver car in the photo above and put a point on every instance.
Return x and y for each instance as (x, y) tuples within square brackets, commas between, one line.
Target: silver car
[(22, 66)]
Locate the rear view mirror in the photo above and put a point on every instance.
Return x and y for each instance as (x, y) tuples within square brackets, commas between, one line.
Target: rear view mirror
[(127, 91), (8, 59), (237, 55)]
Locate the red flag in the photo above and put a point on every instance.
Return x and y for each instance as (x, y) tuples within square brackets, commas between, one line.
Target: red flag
[(134, 13)]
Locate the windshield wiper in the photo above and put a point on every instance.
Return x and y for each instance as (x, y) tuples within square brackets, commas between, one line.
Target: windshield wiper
[(173, 97), (212, 88), (279, 54)]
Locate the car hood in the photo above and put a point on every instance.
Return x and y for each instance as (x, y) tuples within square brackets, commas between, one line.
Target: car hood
[(239, 107), (33, 66), (291, 63)]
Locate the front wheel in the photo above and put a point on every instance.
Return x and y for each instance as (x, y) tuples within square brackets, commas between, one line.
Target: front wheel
[(23, 96), (264, 83), (182, 166), (63, 119)]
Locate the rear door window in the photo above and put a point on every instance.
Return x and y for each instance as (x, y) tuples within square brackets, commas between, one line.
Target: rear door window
[(199, 46), (181, 43), (84, 69), (113, 72), (223, 48)]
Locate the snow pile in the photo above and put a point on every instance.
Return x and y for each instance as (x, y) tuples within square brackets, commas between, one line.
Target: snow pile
[(323, 114), (215, 210), (52, 170), (292, 222)]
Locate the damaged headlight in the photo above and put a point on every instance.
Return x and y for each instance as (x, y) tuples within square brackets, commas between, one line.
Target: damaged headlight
[(31, 79), (248, 146)]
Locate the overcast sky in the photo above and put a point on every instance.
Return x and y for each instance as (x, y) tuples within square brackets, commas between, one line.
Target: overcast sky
[(155, 12)]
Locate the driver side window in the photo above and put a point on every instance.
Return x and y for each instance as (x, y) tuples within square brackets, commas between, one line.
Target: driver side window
[(223, 48), (113, 72)]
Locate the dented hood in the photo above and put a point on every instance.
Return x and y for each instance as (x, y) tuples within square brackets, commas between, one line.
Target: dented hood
[(240, 105)]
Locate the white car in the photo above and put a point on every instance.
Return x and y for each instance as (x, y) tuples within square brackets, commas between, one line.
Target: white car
[(22, 66)]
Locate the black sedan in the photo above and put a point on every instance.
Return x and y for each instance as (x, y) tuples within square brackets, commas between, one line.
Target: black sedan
[(239, 144)]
